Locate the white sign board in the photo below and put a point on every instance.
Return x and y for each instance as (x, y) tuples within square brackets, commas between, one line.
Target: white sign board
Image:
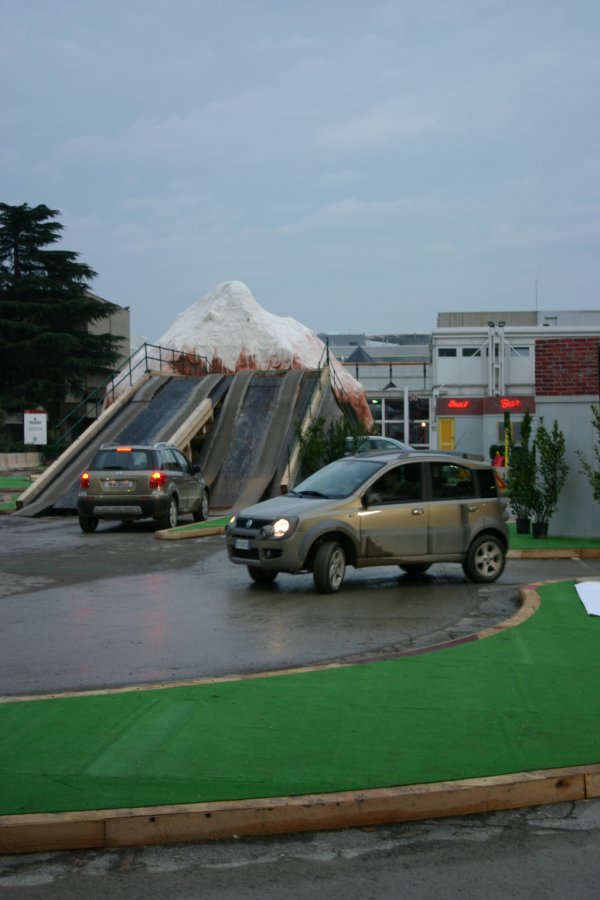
[(35, 424)]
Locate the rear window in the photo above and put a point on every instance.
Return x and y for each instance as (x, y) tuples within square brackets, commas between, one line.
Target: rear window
[(122, 459), (487, 483)]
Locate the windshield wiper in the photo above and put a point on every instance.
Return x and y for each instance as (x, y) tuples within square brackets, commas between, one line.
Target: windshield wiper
[(311, 494)]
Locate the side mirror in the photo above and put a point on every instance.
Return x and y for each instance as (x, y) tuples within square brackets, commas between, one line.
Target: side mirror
[(197, 469)]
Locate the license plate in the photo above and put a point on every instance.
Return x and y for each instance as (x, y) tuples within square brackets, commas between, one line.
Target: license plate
[(121, 484), (241, 544)]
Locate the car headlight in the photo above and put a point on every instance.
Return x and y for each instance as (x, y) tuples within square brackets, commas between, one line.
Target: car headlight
[(279, 529), (232, 522)]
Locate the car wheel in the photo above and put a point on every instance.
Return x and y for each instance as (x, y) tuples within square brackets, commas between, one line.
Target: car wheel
[(169, 520), (485, 559), (201, 514), (329, 567), (262, 576), (415, 568), (88, 524)]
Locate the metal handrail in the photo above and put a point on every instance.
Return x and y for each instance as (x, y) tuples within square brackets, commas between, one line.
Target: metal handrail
[(169, 360)]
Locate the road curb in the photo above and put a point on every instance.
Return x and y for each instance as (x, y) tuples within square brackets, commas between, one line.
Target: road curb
[(286, 815), (172, 534), (549, 553)]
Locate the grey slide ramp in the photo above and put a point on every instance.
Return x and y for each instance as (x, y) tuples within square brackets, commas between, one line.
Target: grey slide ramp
[(249, 459), (152, 414)]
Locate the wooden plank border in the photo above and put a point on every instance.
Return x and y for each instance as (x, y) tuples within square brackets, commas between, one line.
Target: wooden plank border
[(286, 815)]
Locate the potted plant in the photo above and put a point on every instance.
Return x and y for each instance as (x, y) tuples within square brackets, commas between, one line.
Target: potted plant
[(521, 476), (551, 474)]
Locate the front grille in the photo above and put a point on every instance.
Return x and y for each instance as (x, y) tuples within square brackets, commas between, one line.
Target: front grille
[(257, 524)]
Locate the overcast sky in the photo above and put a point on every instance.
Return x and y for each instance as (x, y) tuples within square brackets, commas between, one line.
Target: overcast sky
[(361, 165)]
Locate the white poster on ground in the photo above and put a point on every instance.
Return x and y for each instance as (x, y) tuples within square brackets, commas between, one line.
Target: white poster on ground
[(589, 594)]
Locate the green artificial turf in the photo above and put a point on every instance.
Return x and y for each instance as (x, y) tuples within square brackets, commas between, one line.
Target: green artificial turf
[(201, 526), (552, 542), (10, 488), (14, 483), (525, 699)]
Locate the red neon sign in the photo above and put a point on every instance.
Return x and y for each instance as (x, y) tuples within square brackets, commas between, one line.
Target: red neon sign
[(506, 403), (458, 404)]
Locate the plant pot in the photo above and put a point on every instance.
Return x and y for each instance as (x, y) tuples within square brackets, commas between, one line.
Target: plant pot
[(539, 529), (523, 525)]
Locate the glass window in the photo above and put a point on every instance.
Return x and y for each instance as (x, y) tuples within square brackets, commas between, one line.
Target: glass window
[(184, 464), (401, 484), (419, 433), (394, 410), (446, 351), (515, 428), (520, 351), (449, 481), (471, 351), (419, 422), (339, 479), (487, 483), (121, 459), (375, 407), (170, 462), (395, 430)]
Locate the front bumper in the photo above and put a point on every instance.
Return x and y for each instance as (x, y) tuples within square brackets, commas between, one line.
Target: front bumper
[(266, 553)]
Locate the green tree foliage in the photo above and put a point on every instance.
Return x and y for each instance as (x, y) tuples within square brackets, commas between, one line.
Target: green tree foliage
[(592, 470), (320, 445), (46, 309), (551, 470), (521, 471)]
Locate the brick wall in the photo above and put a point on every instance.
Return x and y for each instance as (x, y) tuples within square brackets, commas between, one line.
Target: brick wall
[(566, 366)]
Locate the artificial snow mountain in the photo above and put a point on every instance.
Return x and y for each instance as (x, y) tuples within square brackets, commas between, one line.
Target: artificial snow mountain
[(233, 332)]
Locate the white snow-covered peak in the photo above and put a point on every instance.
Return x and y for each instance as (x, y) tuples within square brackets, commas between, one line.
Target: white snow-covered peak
[(233, 332), (229, 326)]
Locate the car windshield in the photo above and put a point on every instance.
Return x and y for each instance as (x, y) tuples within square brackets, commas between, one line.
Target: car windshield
[(339, 479)]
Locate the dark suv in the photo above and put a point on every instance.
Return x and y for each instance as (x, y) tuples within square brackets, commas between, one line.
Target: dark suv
[(377, 509), (138, 482)]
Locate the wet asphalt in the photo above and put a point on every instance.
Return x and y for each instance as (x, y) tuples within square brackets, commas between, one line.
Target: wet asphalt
[(120, 607)]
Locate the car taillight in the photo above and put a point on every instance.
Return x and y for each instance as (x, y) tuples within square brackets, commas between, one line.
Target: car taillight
[(158, 480), (84, 481)]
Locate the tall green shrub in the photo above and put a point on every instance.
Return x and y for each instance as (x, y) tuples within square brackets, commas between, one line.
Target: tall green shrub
[(320, 445), (551, 470), (521, 471), (592, 470)]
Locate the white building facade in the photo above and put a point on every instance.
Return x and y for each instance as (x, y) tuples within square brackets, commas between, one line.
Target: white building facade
[(481, 372)]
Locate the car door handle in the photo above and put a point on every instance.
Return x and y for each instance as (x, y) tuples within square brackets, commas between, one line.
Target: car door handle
[(418, 512)]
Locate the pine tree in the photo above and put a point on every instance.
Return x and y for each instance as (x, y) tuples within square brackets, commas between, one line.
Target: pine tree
[(46, 309)]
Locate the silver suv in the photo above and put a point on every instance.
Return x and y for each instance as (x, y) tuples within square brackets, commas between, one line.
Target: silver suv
[(139, 481), (377, 509)]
